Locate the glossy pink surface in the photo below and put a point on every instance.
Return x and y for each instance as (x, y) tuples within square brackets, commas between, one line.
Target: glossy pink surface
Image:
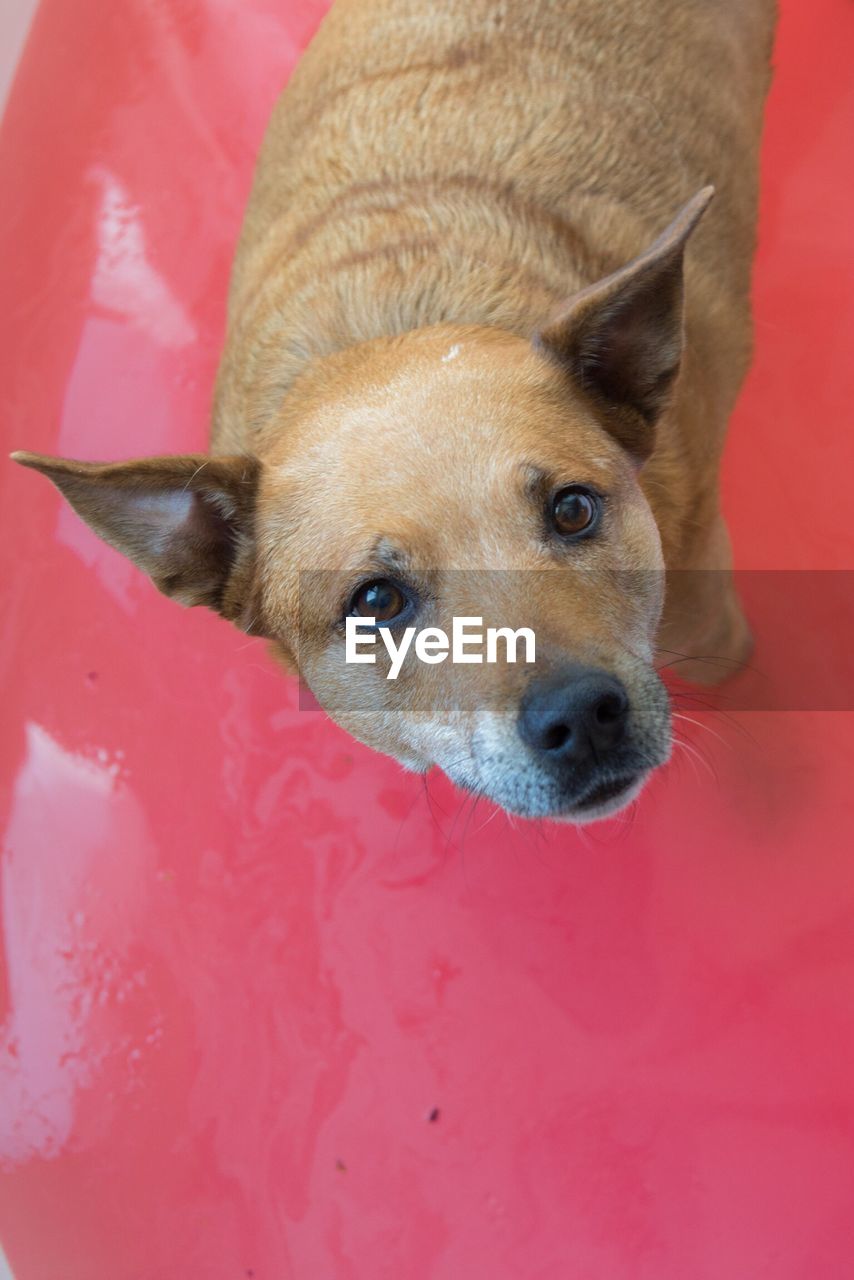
[(272, 1008)]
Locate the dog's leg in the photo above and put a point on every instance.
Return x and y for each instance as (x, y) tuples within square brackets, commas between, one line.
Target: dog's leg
[(704, 636)]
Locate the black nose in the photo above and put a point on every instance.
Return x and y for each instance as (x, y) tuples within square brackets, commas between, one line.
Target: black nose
[(574, 716)]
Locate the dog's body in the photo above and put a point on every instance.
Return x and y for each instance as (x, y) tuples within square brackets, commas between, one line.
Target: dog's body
[(438, 179), (476, 162)]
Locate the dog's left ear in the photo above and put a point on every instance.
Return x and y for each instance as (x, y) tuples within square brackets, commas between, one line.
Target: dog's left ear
[(621, 338), (187, 521)]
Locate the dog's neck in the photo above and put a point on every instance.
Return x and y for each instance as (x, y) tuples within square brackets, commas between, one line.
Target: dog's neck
[(457, 251)]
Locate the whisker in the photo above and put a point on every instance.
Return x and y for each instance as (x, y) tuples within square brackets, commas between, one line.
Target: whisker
[(486, 821), (429, 800), (735, 664), (201, 467), (694, 752), (678, 715)]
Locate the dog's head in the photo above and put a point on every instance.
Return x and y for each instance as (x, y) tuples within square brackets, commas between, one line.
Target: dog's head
[(445, 473)]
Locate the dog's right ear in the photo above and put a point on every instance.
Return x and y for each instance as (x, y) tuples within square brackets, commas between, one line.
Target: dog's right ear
[(186, 521), (621, 339)]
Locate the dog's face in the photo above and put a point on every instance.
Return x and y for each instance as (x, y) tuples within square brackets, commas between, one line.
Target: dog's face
[(449, 473)]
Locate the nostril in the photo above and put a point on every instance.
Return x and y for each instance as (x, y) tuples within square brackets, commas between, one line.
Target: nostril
[(555, 736), (609, 709)]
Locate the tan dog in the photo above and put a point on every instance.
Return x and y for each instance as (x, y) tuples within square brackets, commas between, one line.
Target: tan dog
[(453, 343)]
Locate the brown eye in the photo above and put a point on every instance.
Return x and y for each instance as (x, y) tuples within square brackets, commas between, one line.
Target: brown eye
[(575, 511), (380, 600)]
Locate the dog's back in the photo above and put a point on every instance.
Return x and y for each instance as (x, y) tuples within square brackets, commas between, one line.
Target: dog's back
[(478, 160)]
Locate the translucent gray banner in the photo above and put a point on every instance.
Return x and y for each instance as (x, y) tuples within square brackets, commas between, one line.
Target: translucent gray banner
[(802, 624)]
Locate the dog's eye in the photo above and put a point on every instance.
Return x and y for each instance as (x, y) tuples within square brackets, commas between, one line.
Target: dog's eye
[(380, 600), (575, 511)]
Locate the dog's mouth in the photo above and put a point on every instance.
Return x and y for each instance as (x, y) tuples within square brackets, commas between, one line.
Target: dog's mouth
[(601, 800), (605, 798), (604, 791)]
